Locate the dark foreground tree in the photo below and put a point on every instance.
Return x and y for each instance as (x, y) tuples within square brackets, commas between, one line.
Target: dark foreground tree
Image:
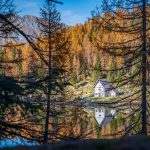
[(54, 47), (15, 106), (129, 20), (9, 27)]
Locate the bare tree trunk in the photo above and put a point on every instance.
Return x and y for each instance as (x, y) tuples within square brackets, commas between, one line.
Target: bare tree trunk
[(49, 86), (47, 118), (144, 69), (48, 100)]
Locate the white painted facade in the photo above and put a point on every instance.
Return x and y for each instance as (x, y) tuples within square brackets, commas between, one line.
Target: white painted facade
[(104, 89), (104, 116)]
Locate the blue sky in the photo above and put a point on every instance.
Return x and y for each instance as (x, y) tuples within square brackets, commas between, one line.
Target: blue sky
[(72, 11)]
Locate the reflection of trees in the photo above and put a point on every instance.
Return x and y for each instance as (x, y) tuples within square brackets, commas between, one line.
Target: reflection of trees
[(75, 125), (78, 124)]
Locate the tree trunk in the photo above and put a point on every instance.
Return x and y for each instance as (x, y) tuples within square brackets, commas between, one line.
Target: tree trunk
[(144, 70), (49, 84)]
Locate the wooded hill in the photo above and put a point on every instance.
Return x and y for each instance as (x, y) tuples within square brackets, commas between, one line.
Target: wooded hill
[(86, 58)]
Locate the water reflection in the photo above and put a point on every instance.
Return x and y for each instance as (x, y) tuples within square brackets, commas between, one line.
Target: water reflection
[(15, 142), (104, 115), (97, 122), (80, 122)]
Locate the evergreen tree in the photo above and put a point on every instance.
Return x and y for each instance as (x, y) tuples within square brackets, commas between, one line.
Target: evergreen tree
[(97, 72), (73, 79), (112, 74)]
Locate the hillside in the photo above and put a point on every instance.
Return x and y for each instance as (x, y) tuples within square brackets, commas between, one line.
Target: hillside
[(86, 58)]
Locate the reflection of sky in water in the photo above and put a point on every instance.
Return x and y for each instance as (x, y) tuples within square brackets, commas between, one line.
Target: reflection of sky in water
[(15, 142)]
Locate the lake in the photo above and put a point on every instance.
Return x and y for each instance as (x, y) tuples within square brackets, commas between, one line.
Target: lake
[(15, 142), (80, 123)]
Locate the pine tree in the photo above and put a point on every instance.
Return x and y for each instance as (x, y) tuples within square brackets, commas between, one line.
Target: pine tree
[(112, 75), (97, 72)]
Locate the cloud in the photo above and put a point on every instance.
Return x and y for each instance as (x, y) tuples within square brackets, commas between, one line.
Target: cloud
[(71, 18)]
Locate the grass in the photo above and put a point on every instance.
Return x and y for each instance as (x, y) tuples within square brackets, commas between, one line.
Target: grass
[(82, 89)]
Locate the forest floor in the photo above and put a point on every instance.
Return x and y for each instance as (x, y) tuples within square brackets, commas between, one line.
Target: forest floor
[(129, 143)]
